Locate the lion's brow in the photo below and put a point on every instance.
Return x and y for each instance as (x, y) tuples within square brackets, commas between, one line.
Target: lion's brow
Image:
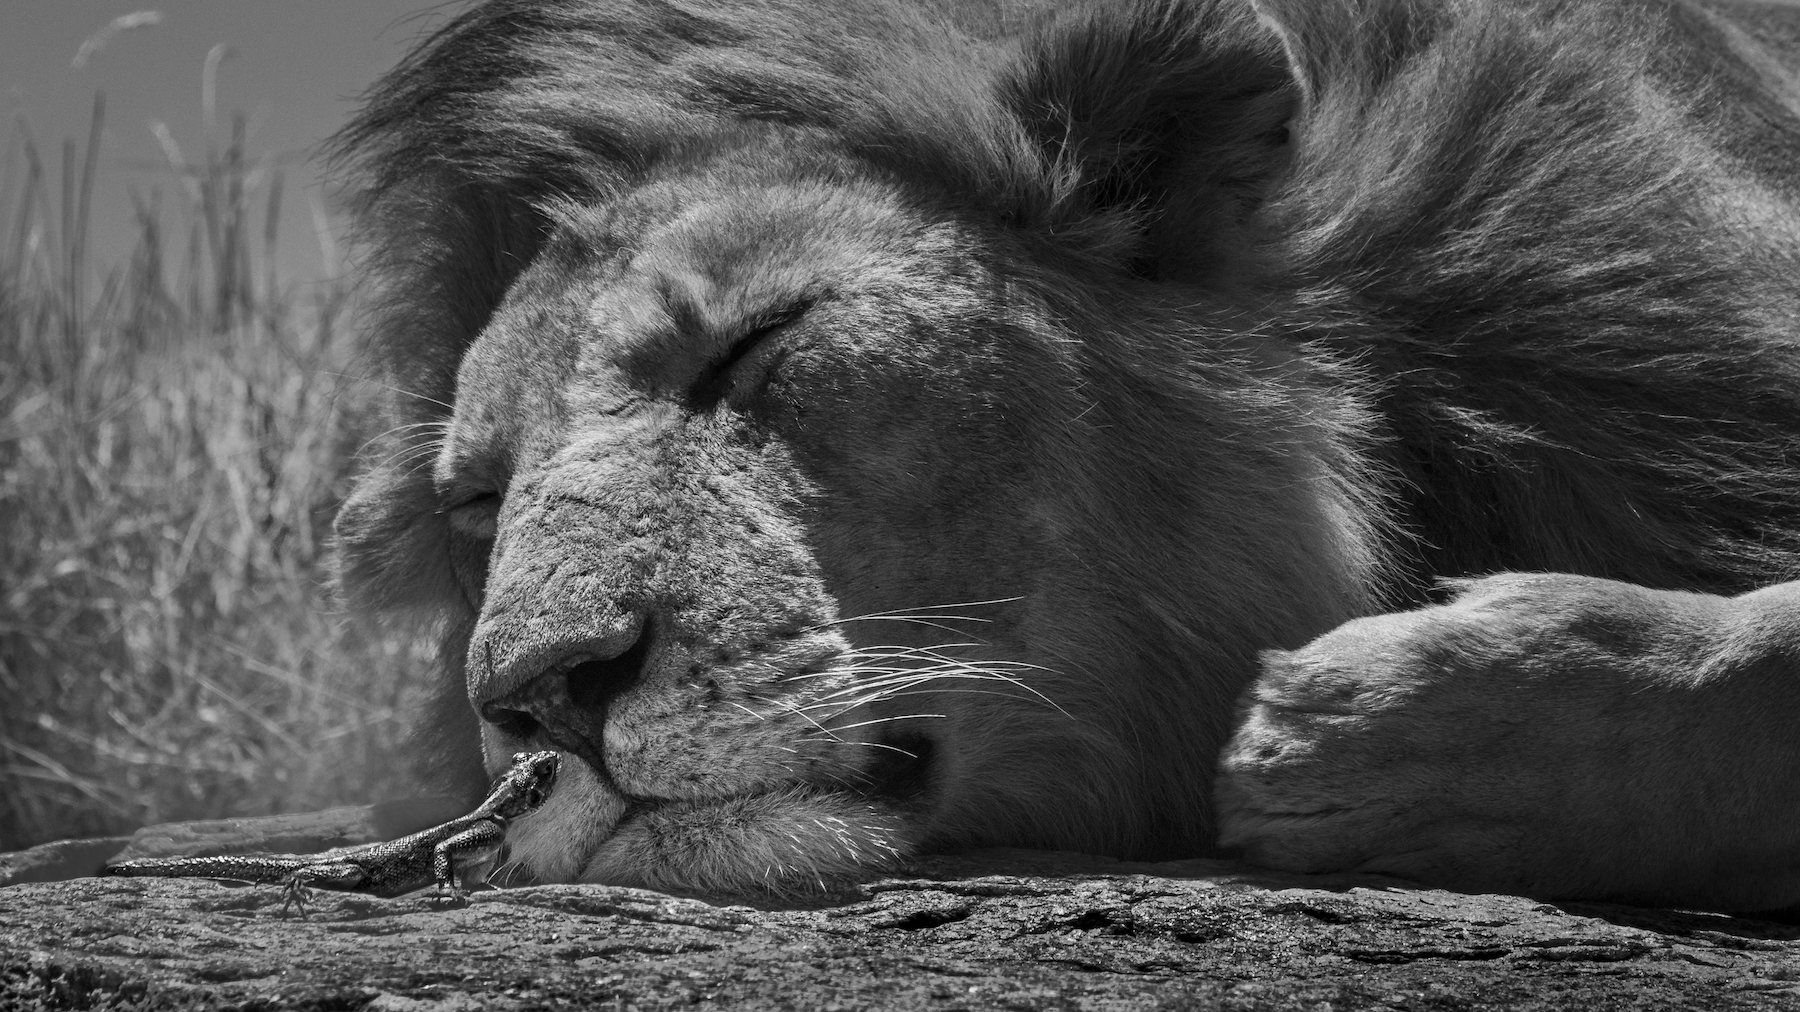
[(688, 316)]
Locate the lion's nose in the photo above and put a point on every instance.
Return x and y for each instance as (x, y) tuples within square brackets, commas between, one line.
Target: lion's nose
[(569, 701)]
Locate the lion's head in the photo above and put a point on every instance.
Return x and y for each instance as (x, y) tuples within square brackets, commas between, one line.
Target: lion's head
[(829, 501), (849, 429)]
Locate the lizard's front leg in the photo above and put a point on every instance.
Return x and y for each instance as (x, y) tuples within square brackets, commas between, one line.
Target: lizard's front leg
[(472, 848)]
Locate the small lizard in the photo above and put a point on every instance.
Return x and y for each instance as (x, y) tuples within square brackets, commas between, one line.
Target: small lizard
[(445, 854)]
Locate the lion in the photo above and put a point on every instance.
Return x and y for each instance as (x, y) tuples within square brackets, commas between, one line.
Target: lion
[(851, 430)]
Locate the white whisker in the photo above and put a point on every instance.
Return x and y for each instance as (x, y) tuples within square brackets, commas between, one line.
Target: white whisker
[(870, 683), (446, 405), (887, 720), (924, 620), (441, 427), (747, 710)]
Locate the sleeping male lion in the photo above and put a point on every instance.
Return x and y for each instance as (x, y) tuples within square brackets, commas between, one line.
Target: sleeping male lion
[(855, 429)]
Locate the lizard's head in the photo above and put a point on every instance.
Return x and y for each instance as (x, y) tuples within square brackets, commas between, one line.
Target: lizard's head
[(524, 788)]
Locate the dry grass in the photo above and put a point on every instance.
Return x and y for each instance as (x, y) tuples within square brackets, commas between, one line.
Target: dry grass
[(173, 442)]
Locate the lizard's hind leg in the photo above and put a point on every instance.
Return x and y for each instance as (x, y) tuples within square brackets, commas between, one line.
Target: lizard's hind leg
[(343, 875), (295, 893)]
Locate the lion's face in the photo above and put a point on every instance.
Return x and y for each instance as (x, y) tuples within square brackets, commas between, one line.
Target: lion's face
[(761, 500)]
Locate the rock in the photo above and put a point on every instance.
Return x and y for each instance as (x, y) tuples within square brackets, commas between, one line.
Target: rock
[(303, 833), (997, 929), (64, 859)]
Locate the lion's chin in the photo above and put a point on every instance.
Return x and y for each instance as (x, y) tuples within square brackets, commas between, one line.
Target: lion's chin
[(789, 842)]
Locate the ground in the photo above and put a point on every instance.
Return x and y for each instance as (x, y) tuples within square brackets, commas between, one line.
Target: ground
[(998, 929)]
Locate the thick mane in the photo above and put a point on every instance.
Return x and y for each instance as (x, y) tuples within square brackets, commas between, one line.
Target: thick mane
[(1491, 207)]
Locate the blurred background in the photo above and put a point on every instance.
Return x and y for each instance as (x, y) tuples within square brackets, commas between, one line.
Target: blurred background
[(179, 412)]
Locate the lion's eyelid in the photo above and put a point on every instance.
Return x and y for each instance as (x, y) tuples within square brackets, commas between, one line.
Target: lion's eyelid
[(781, 316), (452, 499), (759, 328), (710, 386), (474, 514)]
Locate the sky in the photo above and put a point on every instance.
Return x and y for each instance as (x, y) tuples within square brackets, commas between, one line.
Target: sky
[(294, 69)]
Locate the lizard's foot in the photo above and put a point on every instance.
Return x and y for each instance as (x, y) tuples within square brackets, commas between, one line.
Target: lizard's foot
[(295, 894), (451, 894)]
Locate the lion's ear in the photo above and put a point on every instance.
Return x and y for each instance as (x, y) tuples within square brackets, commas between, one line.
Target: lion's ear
[(1343, 40), (1173, 112), (1313, 35)]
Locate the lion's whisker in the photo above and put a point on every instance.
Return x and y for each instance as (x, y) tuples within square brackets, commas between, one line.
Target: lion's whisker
[(800, 712), (411, 462), (934, 656), (910, 687), (902, 618), (872, 682), (924, 620), (860, 743), (870, 675), (892, 685), (430, 444), (441, 426), (931, 607), (446, 405), (898, 650), (884, 720), (410, 457), (947, 664)]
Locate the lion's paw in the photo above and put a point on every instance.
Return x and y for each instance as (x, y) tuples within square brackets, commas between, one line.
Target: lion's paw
[(1352, 755), (1541, 734)]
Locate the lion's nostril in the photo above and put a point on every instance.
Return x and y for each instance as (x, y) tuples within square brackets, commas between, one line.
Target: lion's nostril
[(515, 723), (593, 684), (567, 702)]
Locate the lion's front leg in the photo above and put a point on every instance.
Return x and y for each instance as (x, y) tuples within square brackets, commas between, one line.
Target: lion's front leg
[(1555, 736)]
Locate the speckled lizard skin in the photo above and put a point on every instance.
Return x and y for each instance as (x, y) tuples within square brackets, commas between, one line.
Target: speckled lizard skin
[(448, 854)]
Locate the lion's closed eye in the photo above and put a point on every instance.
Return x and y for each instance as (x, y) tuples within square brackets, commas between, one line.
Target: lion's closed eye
[(475, 516), (715, 382)]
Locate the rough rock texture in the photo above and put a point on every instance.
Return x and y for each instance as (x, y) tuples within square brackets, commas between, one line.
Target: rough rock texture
[(1001, 929)]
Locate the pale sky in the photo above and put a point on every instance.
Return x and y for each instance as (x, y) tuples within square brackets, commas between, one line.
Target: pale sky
[(295, 68)]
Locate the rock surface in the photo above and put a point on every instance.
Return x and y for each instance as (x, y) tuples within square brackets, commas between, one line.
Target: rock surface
[(999, 929)]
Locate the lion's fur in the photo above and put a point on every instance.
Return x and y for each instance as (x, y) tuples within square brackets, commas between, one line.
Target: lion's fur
[(1180, 329)]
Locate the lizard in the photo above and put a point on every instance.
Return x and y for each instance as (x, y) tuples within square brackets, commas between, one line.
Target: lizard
[(446, 854)]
